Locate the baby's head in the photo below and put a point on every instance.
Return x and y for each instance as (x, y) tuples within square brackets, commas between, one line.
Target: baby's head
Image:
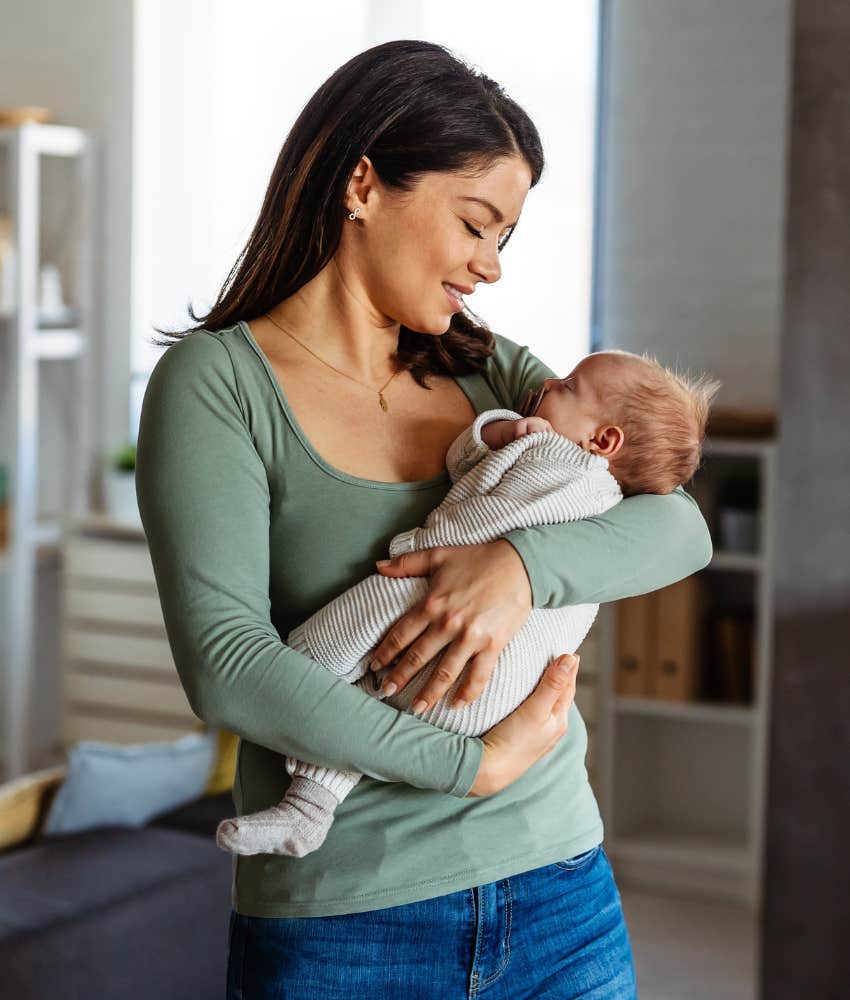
[(648, 421)]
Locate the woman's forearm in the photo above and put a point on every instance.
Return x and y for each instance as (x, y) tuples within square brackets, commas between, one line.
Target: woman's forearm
[(644, 543), (204, 501)]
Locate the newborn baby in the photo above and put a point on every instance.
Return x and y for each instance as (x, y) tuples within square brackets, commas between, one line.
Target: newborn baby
[(617, 425), (647, 421)]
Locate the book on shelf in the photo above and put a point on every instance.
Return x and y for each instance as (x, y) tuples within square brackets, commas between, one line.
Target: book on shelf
[(731, 656), (674, 668), (634, 645), (658, 643)]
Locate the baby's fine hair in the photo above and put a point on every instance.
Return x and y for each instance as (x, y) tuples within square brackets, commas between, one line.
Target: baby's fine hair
[(663, 414)]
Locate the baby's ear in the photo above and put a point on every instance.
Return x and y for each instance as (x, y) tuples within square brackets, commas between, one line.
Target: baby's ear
[(607, 440)]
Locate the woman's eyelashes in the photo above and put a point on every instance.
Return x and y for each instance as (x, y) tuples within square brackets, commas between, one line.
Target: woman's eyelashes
[(504, 242), (480, 235)]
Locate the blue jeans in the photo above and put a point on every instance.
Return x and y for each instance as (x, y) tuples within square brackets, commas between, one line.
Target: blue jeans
[(551, 933)]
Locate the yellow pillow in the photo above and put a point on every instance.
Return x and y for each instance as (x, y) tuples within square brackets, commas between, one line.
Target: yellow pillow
[(224, 769), (23, 803)]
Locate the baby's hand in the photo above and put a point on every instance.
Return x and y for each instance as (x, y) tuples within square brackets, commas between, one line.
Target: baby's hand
[(498, 433)]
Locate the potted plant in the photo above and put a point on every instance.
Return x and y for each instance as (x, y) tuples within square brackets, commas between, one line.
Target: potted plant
[(120, 485)]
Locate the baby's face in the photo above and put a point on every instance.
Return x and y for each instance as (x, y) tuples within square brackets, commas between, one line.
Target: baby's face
[(574, 405)]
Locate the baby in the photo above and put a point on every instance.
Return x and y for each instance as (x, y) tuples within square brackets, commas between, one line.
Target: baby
[(647, 421), (617, 425)]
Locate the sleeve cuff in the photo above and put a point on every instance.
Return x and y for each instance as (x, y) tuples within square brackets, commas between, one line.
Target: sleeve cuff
[(477, 448), (468, 448), (487, 417), (473, 755), (404, 541)]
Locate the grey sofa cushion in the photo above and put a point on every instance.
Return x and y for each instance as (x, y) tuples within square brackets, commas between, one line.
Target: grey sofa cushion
[(115, 912)]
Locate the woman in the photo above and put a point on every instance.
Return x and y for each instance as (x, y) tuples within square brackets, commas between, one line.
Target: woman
[(282, 443)]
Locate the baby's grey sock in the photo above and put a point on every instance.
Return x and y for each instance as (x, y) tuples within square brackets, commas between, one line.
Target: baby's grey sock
[(296, 826)]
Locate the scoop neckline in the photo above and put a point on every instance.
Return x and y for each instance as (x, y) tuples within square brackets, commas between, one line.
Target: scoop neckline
[(376, 484)]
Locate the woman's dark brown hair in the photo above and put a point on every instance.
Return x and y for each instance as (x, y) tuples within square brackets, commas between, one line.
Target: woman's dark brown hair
[(412, 107)]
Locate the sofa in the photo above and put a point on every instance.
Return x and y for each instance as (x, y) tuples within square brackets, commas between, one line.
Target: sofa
[(118, 913)]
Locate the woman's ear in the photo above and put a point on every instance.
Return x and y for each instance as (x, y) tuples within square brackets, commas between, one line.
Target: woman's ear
[(607, 441), (360, 184)]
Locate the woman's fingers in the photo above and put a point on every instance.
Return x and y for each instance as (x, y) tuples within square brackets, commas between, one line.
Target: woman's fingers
[(417, 656), (478, 673), (453, 661), (532, 730), (411, 625), (566, 698), (479, 597), (479, 663), (420, 635), (417, 563), (557, 686)]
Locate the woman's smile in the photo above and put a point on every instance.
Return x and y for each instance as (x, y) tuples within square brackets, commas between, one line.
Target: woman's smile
[(454, 296)]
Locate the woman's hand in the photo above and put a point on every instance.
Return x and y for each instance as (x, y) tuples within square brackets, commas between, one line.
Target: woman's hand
[(530, 731), (479, 598)]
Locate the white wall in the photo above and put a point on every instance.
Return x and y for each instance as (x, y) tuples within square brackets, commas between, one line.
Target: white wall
[(693, 194)]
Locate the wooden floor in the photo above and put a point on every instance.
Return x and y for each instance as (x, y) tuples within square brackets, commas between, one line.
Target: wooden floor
[(691, 949)]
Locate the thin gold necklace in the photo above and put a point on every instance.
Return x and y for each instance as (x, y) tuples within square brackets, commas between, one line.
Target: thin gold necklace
[(383, 402)]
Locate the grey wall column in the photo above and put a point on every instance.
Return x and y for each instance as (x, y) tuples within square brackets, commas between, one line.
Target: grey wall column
[(805, 948)]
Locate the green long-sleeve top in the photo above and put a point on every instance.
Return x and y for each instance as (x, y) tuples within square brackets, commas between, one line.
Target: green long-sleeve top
[(250, 531)]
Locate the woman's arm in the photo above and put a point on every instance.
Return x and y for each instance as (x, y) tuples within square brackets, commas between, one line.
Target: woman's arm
[(644, 543), (204, 501)]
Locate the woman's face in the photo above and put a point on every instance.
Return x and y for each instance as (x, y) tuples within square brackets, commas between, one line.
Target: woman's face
[(411, 245)]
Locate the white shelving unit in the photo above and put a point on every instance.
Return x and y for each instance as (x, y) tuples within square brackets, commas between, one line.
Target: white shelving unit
[(683, 784), (110, 602), (30, 156)]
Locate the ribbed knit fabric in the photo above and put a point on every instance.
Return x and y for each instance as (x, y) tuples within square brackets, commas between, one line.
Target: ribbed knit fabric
[(541, 478)]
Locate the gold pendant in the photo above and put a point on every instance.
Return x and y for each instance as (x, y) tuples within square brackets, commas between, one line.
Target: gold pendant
[(384, 406)]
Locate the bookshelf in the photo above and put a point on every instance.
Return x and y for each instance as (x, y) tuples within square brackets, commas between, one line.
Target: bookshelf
[(683, 708), (47, 191)]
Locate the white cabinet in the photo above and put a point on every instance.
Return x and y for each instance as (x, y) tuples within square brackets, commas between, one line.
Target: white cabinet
[(119, 679)]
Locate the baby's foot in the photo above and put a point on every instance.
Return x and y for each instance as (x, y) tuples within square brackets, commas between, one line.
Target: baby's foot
[(296, 826)]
